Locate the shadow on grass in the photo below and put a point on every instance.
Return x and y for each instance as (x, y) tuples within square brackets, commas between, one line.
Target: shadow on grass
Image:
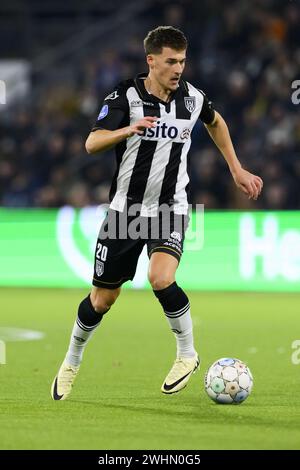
[(204, 413)]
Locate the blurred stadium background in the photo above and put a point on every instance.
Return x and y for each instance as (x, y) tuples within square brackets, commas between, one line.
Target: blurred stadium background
[(58, 60), (65, 56)]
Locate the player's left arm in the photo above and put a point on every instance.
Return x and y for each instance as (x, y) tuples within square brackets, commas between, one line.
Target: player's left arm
[(217, 128)]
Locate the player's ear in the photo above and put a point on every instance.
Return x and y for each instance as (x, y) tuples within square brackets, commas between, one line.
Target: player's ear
[(150, 60)]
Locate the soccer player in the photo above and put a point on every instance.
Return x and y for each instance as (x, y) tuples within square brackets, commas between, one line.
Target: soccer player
[(149, 120)]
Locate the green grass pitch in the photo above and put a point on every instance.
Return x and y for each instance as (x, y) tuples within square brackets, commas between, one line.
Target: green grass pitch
[(116, 402)]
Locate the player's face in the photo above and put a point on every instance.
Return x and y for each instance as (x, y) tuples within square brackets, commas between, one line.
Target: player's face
[(167, 67)]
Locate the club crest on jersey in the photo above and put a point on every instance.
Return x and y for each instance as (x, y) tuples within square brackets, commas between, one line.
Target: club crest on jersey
[(99, 268), (190, 103), (112, 96)]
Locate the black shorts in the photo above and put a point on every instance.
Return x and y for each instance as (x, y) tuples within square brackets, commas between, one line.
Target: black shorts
[(122, 238)]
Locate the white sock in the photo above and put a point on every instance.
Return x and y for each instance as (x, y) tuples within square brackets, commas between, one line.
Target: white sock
[(80, 336), (182, 326)]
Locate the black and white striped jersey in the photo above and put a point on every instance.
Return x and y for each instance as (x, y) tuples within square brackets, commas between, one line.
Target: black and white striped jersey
[(152, 168)]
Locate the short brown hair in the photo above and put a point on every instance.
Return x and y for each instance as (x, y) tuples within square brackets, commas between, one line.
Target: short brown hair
[(164, 36)]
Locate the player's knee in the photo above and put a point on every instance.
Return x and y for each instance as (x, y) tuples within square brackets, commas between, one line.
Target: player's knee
[(103, 299), (160, 281)]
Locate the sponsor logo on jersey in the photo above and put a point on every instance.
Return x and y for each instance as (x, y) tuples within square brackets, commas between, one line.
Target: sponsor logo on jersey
[(190, 103), (135, 104), (163, 131), (103, 112), (112, 96), (185, 134)]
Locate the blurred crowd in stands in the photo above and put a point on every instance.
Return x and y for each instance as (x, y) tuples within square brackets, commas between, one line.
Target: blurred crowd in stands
[(243, 54)]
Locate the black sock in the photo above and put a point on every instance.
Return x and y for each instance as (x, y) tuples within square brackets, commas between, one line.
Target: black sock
[(172, 298), (87, 315)]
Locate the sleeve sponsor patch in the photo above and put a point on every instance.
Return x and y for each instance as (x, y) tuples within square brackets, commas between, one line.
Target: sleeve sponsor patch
[(103, 112)]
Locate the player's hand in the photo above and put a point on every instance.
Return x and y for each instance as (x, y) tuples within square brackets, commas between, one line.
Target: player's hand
[(248, 183), (139, 126)]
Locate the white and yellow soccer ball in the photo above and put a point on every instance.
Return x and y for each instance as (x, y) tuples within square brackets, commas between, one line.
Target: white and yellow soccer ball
[(228, 381)]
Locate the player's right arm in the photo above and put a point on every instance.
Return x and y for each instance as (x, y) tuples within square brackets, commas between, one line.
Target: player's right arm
[(113, 122), (103, 139)]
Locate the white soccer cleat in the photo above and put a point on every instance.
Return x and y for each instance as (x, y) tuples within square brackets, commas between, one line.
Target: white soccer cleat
[(63, 382), (180, 374)]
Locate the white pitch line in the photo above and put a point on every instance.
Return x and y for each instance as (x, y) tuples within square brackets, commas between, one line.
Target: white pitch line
[(8, 334)]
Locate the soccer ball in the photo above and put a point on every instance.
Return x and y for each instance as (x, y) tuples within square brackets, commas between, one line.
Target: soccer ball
[(228, 381)]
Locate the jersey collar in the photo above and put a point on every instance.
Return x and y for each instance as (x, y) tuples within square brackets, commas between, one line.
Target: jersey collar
[(140, 85)]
